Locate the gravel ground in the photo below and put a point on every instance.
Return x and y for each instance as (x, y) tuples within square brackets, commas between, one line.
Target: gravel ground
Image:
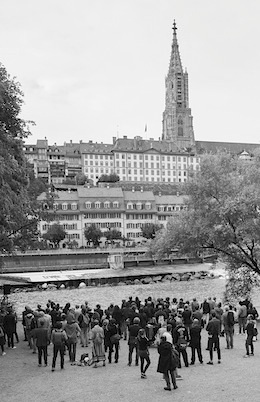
[(235, 379)]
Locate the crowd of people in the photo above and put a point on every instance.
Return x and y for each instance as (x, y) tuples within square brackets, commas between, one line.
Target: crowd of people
[(171, 325)]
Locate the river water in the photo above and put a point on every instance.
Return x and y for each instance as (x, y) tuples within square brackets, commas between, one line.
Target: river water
[(104, 295)]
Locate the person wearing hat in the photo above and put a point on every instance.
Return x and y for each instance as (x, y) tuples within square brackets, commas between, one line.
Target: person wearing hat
[(132, 340)]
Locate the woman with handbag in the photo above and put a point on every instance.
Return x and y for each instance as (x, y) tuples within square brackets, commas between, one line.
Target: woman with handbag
[(114, 338), (143, 347)]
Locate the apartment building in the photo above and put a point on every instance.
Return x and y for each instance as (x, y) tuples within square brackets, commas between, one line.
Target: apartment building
[(107, 208)]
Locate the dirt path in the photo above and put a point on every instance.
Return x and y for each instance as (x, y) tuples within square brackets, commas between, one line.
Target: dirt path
[(235, 379)]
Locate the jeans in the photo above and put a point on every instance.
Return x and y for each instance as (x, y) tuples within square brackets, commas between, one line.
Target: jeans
[(148, 362), (42, 350), (193, 350), (56, 349), (133, 347), (84, 336), (229, 337), (183, 352), (249, 342), (170, 374), (10, 340), (72, 351), (242, 324), (214, 343), (111, 350)]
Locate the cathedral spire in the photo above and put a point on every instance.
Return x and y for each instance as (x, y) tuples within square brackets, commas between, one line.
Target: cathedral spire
[(177, 119)]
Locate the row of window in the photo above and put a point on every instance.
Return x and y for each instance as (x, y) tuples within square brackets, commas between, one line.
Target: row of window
[(134, 225), (152, 172), (64, 206), (170, 208), (106, 157), (106, 225), (102, 216), (139, 216), (158, 179), (151, 165), (72, 236), (98, 204), (134, 235), (138, 205)]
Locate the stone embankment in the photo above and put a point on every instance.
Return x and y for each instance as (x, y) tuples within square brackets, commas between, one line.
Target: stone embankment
[(149, 279)]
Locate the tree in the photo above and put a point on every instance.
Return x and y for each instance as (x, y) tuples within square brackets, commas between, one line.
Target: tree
[(111, 178), (93, 234), (149, 230), (55, 234), (112, 234), (18, 219), (222, 216)]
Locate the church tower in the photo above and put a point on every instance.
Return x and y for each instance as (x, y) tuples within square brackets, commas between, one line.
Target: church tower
[(177, 119)]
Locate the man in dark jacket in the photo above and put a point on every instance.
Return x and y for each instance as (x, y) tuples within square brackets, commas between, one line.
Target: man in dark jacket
[(42, 337), (167, 364), (132, 341), (213, 329), (9, 324), (195, 341)]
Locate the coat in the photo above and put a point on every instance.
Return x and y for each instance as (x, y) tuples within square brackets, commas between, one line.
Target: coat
[(195, 336), (166, 360)]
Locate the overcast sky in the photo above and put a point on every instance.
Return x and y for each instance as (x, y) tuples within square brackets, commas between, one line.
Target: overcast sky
[(94, 69)]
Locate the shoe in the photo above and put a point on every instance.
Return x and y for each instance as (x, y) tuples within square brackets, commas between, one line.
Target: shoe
[(192, 363), (219, 361), (207, 348), (116, 361), (53, 369), (62, 368), (227, 347), (73, 364), (251, 354), (246, 356), (4, 353), (143, 375), (129, 364), (39, 365), (14, 347), (201, 362), (211, 363), (178, 377), (167, 388), (136, 364), (175, 387)]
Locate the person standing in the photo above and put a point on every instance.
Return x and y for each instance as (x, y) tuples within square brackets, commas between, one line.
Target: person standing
[(166, 363), (228, 323), (113, 336), (213, 329), (143, 348), (250, 334), (83, 321), (72, 330), (59, 339), (41, 335), (242, 317), (98, 349), (9, 325), (2, 340), (132, 341), (195, 341)]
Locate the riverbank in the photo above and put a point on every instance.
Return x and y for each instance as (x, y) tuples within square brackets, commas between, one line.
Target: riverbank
[(235, 379)]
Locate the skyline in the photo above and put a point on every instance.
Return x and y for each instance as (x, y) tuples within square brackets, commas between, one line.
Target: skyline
[(96, 70)]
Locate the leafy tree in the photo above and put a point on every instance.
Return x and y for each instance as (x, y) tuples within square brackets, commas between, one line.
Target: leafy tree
[(112, 234), (149, 230), (223, 214), (111, 178), (55, 234), (17, 216), (93, 234)]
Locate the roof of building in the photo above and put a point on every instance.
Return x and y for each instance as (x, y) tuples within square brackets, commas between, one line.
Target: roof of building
[(170, 199), (98, 192), (233, 147), (96, 148), (138, 196), (137, 144)]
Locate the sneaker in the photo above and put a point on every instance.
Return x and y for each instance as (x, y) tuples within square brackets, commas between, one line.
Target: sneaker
[(39, 365), (4, 353), (219, 361), (251, 354), (211, 363), (246, 356), (143, 375), (53, 369), (167, 388), (14, 347), (192, 363), (175, 386), (178, 377)]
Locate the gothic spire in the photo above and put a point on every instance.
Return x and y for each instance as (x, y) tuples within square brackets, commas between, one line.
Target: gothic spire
[(175, 60)]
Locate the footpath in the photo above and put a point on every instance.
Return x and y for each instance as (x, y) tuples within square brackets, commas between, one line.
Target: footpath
[(235, 379)]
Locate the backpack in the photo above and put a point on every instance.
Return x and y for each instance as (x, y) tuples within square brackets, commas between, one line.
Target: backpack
[(230, 319)]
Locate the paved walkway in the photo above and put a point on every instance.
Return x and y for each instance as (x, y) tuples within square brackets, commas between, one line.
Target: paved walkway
[(235, 379)]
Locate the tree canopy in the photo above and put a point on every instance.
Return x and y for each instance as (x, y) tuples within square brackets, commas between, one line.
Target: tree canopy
[(93, 234), (223, 213), (109, 178), (17, 217), (55, 234), (149, 230), (113, 234)]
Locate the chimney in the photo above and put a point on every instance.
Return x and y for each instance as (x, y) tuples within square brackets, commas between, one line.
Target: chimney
[(133, 189), (114, 140), (125, 137)]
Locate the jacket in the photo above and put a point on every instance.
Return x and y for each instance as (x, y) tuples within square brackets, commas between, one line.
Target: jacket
[(166, 361)]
